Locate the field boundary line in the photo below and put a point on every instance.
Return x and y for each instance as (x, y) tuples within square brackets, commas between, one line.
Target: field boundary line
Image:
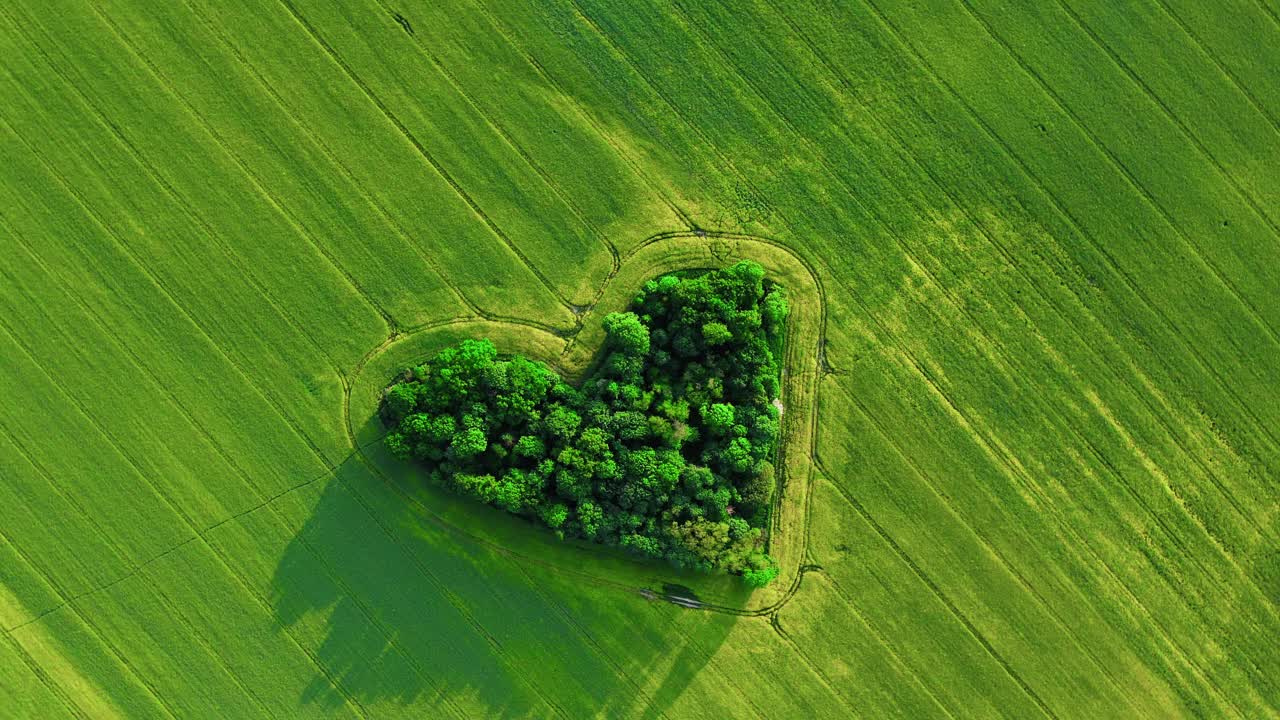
[(1142, 190), (63, 593), (542, 72), (258, 186), (422, 151), (1070, 218), (1222, 68), (1134, 78), (937, 591), (1067, 527), (217, 447), (39, 672), (181, 202), (114, 235), (1018, 267), (492, 122)]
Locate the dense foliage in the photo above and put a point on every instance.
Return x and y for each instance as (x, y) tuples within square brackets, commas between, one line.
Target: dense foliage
[(665, 450)]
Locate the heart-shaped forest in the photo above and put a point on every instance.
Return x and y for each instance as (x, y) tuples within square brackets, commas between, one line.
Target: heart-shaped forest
[(666, 448)]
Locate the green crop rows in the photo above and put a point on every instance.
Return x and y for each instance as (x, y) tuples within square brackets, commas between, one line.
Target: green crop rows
[(1032, 425)]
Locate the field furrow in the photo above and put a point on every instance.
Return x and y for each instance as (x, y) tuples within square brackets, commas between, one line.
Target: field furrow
[(594, 184), (424, 129), (27, 687), (1059, 313), (1172, 339), (1214, 119), (1142, 175), (300, 382)]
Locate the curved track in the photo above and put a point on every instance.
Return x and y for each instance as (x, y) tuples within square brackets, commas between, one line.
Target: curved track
[(722, 247)]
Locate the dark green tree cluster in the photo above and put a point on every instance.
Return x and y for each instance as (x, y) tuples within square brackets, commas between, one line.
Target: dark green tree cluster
[(665, 450)]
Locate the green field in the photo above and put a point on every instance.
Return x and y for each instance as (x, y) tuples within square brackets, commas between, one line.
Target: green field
[(1033, 371)]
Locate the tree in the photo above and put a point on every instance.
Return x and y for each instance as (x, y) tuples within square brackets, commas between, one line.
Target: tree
[(531, 447), (468, 443), (591, 517), (757, 490), (715, 334), (760, 578), (775, 311), (626, 334), (396, 444), (561, 422), (399, 401), (718, 418), (555, 514)]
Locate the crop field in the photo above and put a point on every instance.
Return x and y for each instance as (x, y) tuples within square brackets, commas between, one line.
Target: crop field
[(1031, 461)]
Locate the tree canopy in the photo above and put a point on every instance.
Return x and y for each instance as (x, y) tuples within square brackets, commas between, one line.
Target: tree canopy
[(667, 447)]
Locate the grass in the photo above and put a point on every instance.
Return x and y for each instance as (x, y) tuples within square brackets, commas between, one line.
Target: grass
[(1033, 450)]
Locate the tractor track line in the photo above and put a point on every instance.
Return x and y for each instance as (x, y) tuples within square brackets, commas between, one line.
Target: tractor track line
[(615, 258), (542, 72), (1074, 223), (1160, 417), (181, 202), (226, 458), (937, 591), (1124, 171), (427, 156)]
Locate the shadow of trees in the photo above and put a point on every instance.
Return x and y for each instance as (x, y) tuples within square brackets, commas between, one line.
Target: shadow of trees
[(402, 615)]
